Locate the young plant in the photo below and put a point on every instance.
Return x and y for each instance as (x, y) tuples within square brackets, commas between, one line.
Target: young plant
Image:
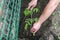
[(29, 21), (28, 12)]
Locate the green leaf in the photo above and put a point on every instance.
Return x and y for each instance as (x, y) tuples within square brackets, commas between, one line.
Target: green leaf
[(26, 12), (28, 22), (35, 10), (31, 20), (36, 19), (28, 19), (26, 26)]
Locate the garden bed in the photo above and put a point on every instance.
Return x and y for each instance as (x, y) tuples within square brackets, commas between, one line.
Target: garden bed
[(47, 31)]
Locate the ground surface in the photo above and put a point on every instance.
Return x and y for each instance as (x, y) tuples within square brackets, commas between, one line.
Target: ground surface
[(50, 30)]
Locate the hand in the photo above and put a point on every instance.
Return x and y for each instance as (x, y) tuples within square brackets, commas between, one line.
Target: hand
[(32, 4), (36, 27)]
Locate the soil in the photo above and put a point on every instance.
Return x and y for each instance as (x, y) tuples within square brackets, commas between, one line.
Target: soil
[(47, 30)]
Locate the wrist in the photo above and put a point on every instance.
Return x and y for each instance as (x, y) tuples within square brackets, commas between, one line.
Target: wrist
[(39, 22)]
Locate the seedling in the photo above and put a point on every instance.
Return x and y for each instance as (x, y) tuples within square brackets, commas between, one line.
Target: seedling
[(28, 12), (55, 25), (29, 21)]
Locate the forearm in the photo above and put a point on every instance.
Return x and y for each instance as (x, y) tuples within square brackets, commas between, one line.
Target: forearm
[(51, 6)]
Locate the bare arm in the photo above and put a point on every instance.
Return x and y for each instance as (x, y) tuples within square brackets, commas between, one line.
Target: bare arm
[(50, 7)]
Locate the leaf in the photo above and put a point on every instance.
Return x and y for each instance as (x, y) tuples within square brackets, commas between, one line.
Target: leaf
[(31, 20), (28, 22), (36, 19), (26, 12), (35, 10), (26, 26), (28, 19)]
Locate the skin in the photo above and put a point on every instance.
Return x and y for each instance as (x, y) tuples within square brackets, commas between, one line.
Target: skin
[(48, 10), (50, 7)]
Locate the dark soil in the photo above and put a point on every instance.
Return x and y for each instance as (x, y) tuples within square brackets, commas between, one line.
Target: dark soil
[(46, 31)]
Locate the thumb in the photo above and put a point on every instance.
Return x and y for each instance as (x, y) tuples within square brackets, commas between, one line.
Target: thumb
[(33, 30), (29, 7), (32, 7)]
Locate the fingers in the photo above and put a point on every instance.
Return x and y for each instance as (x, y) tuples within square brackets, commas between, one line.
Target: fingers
[(33, 30), (30, 7)]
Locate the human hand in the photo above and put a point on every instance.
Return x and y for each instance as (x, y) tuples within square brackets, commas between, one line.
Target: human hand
[(36, 27), (32, 4)]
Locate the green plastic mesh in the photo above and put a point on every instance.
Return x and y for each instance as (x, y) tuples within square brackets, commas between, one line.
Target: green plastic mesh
[(9, 19)]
